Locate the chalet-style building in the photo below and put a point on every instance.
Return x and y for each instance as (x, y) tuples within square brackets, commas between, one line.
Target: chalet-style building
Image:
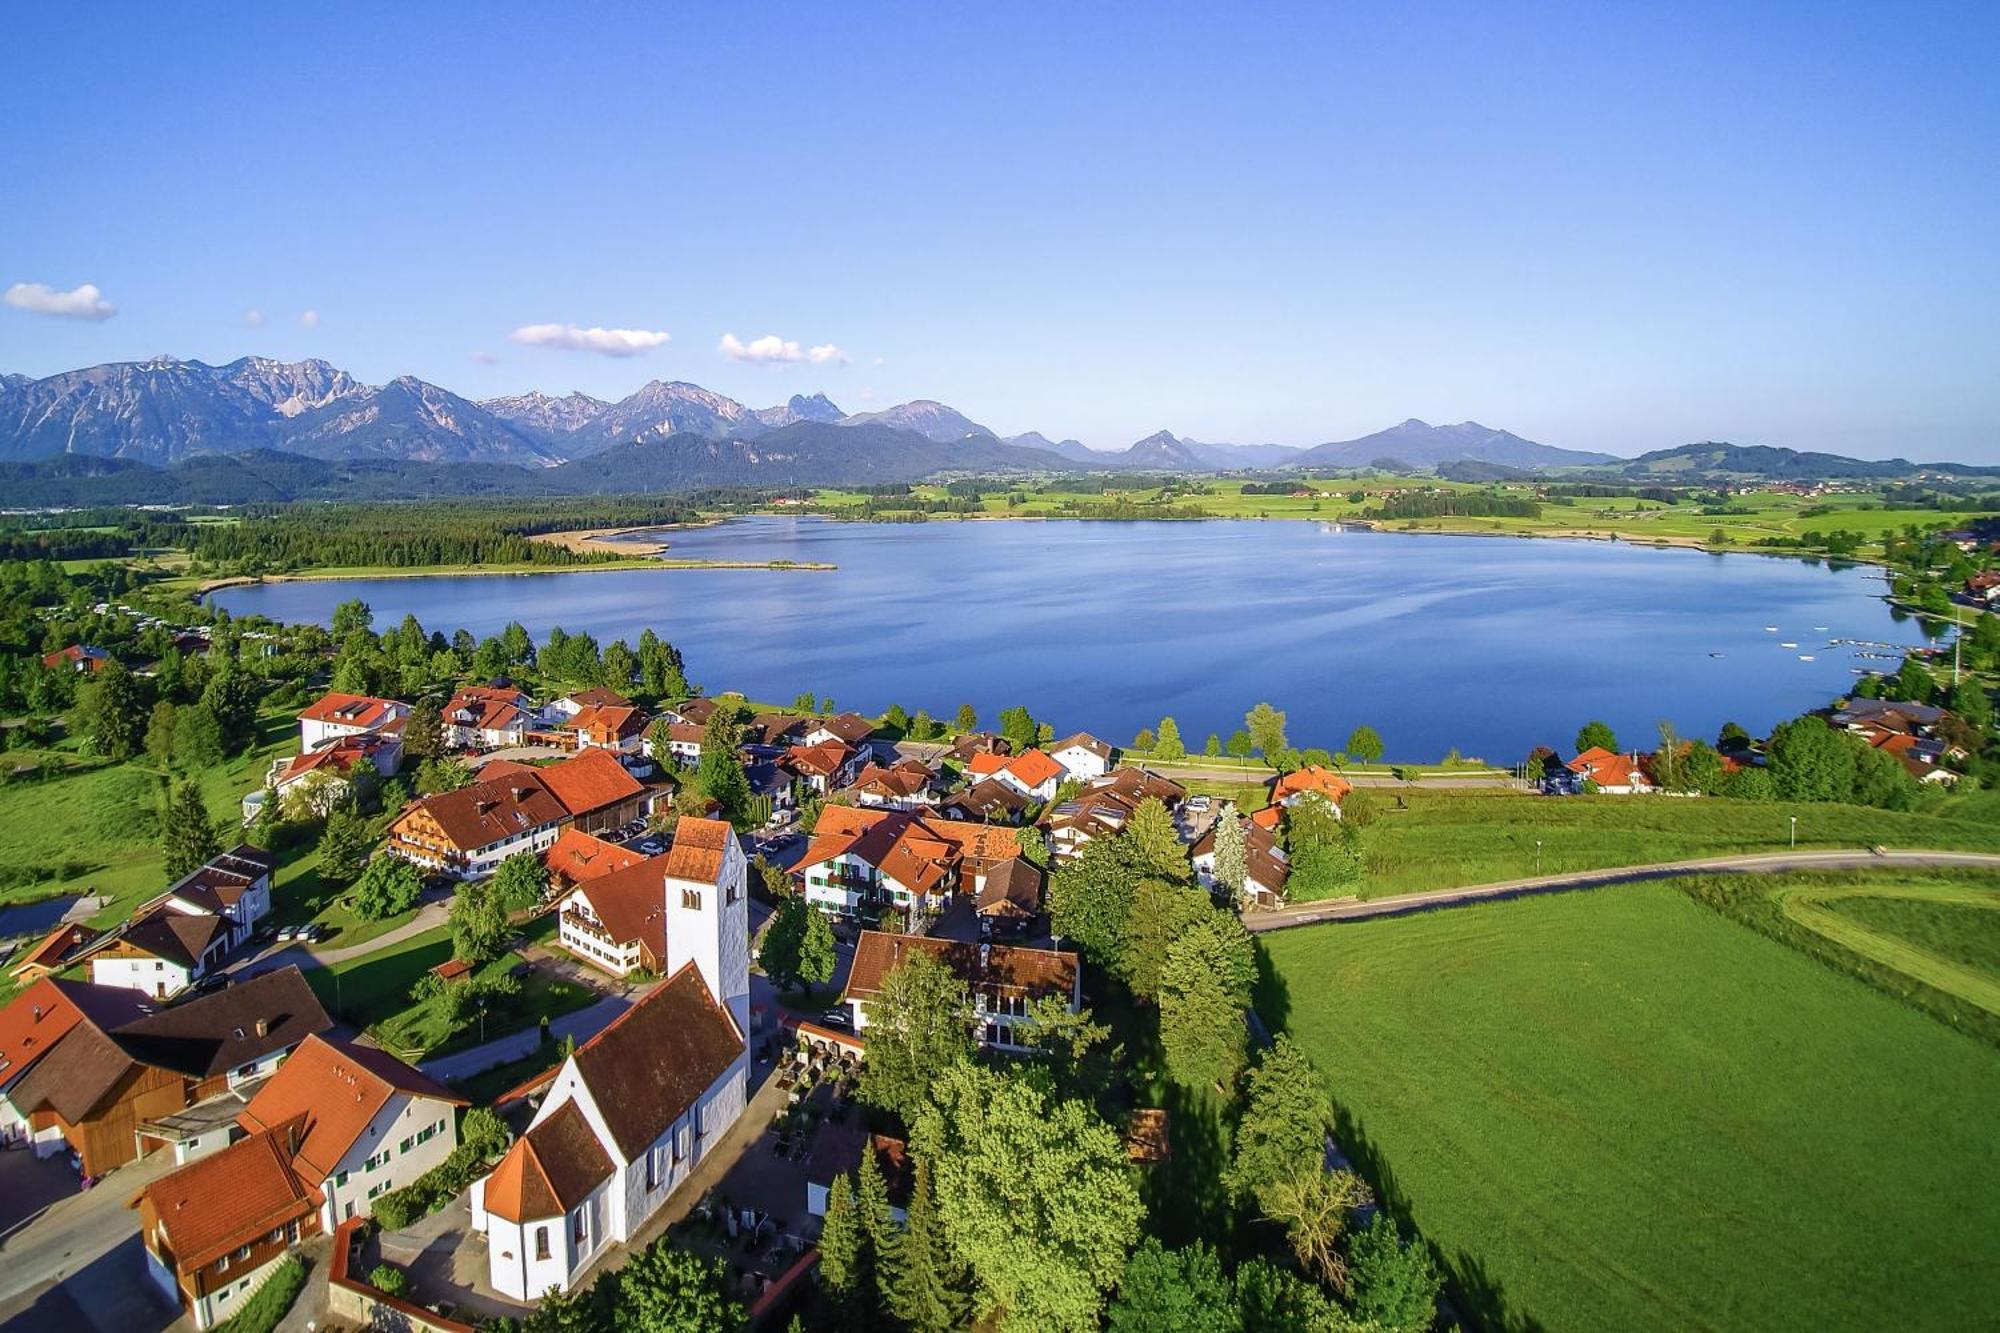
[(160, 952), (514, 808), (867, 859), (567, 707), (1265, 866), (96, 1087), (1083, 756), (1003, 979), (216, 1229), (1288, 787), (988, 801), (777, 731), (1103, 807), (1614, 774), (847, 728), (906, 784), (683, 743), (77, 657), (370, 1123), (976, 742), (335, 715), (1011, 895), (487, 717), (234, 885), (822, 767), (576, 856), (1032, 773), (629, 1116), (618, 921), (54, 952), (34, 1024), (620, 728), (695, 712)]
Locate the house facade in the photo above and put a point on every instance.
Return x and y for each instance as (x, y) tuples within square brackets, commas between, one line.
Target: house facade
[(335, 715), (1004, 981), (1083, 756), (631, 1114), (862, 860), (487, 717)]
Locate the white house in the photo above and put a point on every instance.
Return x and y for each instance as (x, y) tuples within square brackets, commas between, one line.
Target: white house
[(847, 728), (861, 859), (335, 715), (1083, 756), (618, 921), (371, 1123), (234, 885), (1266, 869), (632, 1112), (1031, 773), (487, 717), (160, 953), (683, 743), (1004, 981)]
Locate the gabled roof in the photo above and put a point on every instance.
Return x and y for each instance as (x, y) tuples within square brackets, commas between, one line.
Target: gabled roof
[(997, 970), (776, 728), (351, 710), (598, 696), (175, 937), (987, 798), (75, 1077), (549, 1170), (657, 1058), (850, 727), (1310, 778), (1264, 862), (905, 778), (609, 721), (485, 708), (492, 810), (1013, 888), (338, 756), (1083, 740), (231, 1198), (336, 1087), (631, 903), (590, 780), (697, 710), (986, 763), (879, 836), (819, 761), (215, 1033), (224, 878), (35, 1021), (978, 742), (52, 952), (1033, 768), (576, 856), (1606, 769)]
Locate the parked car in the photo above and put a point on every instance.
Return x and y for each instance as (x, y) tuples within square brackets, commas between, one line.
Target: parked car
[(288, 933), (1197, 803), (210, 984), (837, 1018)]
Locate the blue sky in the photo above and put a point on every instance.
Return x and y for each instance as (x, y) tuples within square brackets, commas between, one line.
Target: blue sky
[(1599, 225)]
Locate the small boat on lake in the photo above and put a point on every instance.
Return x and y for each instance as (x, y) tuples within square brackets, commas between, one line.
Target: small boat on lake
[(1805, 657)]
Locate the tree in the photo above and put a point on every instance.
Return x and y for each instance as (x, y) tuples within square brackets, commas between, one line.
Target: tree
[(343, 845), (620, 665), (350, 616), (919, 1026), (1204, 989), (661, 670), (1161, 913), (967, 719), (1701, 768), (187, 835), (232, 696), (803, 702), (1240, 745), (1156, 843), (1286, 1118), (1325, 850), (1914, 682), (817, 959), (1266, 726), (521, 882), (669, 1290), (778, 953), (1036, 1196), (442, 773), (841, 1241), (1809, 761), (1313, 1208), (1168, 744), (388, 886), (423, 731), (1750, 784), (1732, 737), (897, 719), (1365, 745), (1278, 1300), (1596, 735), (1019, 727), (1075, 1050), (719, 775), (160, 733), (1090, 898), (1970, 701), (1181, 1290), (1393, 1284), (878, 1228), (478, 923), (198, 738), (1144, 742), (1212, 747), (924, 1282), (111, 711), (1232, 852)]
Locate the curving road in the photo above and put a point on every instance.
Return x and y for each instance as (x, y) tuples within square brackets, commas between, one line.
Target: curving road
[(1354, 909)]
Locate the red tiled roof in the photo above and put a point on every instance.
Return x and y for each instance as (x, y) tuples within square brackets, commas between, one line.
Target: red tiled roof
[(549, 1170), (632, 905), (820, 761), (590, 781), (986, 763), (352, 710), (700, 846), (657, 1058), (576, 856), (336, 1087), (607, 723), (52, 952), (492, 809), (1032, 768), (231, 1198), (1606, 769), (1311, 778)]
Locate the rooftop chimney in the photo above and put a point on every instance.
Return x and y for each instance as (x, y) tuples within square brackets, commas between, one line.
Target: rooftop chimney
[(263, 1027)]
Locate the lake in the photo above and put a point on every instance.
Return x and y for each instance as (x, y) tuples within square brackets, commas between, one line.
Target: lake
[(1487, 644)]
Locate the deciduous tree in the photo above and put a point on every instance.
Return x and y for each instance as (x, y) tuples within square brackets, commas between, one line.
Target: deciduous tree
[(1204, 989), (521, 882), (1393, 1284), (478, 922), (1266, 726), (1596, 735), (388, 886), (919, 1026), (1180, 1290), (1365, 744), (1169, 745), (668, 1290), (1156, 843), (111, 711)]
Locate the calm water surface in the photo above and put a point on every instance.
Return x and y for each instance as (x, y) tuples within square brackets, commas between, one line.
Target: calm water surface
[(1491, 645)]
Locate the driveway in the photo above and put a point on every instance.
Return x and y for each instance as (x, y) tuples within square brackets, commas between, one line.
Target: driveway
[(79, 1263), (1353, 909)]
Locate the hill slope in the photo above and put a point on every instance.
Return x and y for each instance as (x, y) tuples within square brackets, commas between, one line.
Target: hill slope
[(1420, 444)]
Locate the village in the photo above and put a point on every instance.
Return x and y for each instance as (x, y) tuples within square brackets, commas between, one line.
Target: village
[(180, 1066)]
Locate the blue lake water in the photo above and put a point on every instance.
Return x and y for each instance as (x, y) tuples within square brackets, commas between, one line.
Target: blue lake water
[(1490, 645)]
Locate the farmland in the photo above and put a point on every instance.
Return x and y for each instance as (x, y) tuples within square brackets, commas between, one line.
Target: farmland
[(1620, 1109)]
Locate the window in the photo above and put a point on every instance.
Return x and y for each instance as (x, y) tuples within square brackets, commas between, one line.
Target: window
[(652, 1169), (243, 1252), (541, 1242), (339, 1179), (579, 1232), (691, 899), (405, 1145), (222, 1264)]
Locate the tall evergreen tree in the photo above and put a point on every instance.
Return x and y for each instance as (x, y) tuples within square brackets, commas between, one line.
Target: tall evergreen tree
[(841, 1241), (111, 711), (343, 845), (926, 1282), (423, 731), (187, 835)]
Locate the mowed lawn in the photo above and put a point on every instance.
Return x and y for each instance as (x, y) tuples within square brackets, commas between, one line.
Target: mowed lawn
[(1445, 838), (1617, 1109)]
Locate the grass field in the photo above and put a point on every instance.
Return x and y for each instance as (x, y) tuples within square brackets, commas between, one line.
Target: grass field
[(1620, 1110), (1965, 933), (1444, 838)]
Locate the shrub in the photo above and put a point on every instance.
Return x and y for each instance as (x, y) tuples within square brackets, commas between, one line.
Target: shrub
[(482, 1137), (390, 1279), (268, 1304)]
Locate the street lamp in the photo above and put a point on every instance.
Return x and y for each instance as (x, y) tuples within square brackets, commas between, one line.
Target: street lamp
[(1538, 857), (1795, 833)]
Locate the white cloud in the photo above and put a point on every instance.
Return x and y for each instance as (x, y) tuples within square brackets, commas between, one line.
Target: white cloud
[(605, 342), (254, 318), (85, 302), (486, 358), (310, 319), (771, 350), (867, 395), (878, 360)]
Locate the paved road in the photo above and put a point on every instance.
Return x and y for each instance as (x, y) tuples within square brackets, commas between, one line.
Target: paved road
[(1351, 909), (90, 1232), (583, 1024), (928, 751)]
